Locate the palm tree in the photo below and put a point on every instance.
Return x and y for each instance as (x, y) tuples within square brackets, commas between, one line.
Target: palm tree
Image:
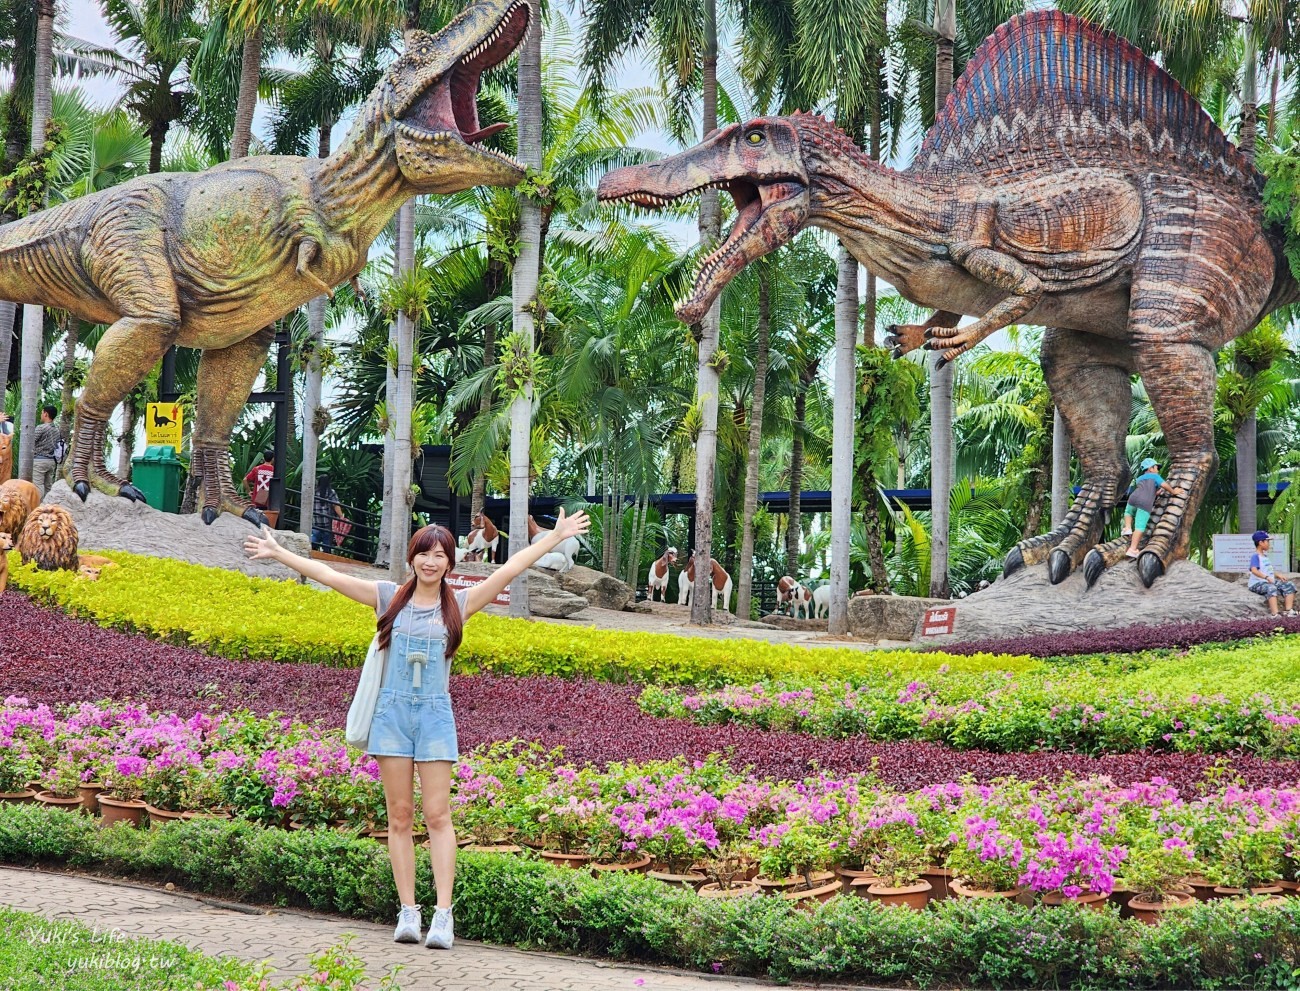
[(744, 581), (34, 316)]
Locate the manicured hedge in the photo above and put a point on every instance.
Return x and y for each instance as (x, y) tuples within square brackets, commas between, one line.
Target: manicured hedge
[(233, 615), (523, 902), (1134, 638)]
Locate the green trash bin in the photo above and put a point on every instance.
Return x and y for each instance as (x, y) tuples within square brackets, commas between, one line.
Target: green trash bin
[(157, 473)]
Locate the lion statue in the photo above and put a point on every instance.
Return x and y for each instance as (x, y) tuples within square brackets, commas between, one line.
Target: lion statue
[(49, 538), (17, 500)]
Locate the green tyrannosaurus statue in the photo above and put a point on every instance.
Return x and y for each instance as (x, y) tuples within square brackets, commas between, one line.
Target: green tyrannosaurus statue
[(1068, 182), (210, 260)]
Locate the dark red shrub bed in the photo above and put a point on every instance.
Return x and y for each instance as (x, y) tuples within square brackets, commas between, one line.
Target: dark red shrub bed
[(47, 657), (1129, 640)]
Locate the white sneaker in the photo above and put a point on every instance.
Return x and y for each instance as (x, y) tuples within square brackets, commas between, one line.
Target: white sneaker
[(1126, 532), (440, 930), (408, 925), (1131, 554)]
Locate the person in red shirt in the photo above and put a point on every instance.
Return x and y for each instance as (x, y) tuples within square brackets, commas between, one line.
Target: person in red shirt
[(258, 481)]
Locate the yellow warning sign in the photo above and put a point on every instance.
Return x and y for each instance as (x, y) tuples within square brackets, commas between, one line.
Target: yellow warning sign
[(162, 424)]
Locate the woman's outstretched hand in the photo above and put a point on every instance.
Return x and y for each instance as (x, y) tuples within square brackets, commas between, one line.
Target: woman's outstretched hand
[(263, 547), (571, 526)]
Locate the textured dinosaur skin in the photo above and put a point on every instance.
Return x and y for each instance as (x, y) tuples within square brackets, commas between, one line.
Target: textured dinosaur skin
[(209, 260), (1069, 182)]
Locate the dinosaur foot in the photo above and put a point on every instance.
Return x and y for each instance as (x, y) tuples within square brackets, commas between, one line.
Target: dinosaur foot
[(1014, 562), (904, 337), (1059, 566), (1104, 556), (1035, 550), (255, 516), (251, 514), (82, 490), (1150, 567), (129, 491)]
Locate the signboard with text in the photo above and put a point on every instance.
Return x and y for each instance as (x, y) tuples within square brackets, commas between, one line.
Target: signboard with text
[(1232, 552), (162, 424), (939, 621), (458, 581)]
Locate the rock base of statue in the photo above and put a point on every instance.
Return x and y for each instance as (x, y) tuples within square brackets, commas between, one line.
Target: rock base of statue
[(1027, 604), (112, 523)]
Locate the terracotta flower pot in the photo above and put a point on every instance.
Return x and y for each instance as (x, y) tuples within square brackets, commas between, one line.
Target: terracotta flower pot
[(637, 866), (72, 803), (1092, 899), (738, 889), (960, 890), (207, 814), (1263, 889), (89, 792), (1290, 888), (777, 885), (1201, 887), (492, 847), (570, 860), (848, 876), (128, 810), (940, 879), (469, 841), (1150, 913), (808, 898), (691, 879), (26, 795), (913, 896), (159, 816)]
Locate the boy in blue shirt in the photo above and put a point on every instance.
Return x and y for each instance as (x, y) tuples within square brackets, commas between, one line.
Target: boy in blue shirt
[(1263, 579), (1143, 501)]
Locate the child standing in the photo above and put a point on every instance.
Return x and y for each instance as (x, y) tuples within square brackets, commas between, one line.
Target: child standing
[(1263, 579), (1142, 501)]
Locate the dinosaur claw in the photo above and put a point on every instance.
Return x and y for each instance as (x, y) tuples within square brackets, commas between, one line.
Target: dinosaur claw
[(82, 489), (1093, 565), (131, 492), (255, 517), (1014, 562), (209, 514), (1058, 567), (1150, 567), (940, 362)]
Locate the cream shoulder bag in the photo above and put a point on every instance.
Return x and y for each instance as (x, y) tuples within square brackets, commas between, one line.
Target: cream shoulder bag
[(362, 710)]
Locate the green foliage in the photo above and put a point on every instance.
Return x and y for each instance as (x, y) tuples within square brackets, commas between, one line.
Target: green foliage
[(232, 615), (28, 185), (1282, 198), (520, 366)]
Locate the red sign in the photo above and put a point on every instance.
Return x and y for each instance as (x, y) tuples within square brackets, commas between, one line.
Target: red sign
[(458, 581), (939, 622)]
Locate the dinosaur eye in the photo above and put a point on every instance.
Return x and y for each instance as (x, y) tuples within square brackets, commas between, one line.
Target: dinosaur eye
[(754, 137)]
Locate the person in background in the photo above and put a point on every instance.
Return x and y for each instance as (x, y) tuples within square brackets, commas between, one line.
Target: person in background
[(6, 447), (1142, 502), (325, 511), (258, 481), (1265, 581), (45, 441)]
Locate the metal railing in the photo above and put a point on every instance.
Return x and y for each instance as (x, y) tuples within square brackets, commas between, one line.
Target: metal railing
[(362, 541)]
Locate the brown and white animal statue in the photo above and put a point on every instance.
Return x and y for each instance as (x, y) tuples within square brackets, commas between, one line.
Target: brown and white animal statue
[(566, 549), (481, 544), (822, 601), (795, 596), (6, 545), (17, 500), (49, 538), (659, 573), (721, 585)]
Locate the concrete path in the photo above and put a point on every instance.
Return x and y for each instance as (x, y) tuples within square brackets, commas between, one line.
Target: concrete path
[(287, 938)]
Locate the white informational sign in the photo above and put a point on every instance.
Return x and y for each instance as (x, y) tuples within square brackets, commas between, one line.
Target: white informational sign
[(1232, 552)]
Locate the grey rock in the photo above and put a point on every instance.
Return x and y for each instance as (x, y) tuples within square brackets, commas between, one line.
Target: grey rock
[(599, 589), (888, 617), (1026, 603), (112, 523), (545, 596)]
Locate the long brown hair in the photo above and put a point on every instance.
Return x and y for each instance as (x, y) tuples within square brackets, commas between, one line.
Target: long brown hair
[(423, 540)]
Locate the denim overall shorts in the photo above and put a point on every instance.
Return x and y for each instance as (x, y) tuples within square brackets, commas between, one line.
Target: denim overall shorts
[(413, 715)]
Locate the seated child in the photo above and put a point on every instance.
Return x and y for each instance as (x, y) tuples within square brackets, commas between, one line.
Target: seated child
[(1263, 579)]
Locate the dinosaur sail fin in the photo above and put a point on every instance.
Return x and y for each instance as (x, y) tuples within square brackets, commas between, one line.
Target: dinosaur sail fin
[(1049, 90)]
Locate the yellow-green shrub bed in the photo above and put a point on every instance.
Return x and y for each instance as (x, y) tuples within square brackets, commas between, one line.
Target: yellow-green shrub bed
[(232, 615)]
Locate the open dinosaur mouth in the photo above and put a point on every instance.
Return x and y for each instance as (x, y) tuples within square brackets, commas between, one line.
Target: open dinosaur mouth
[(768, 214), (449, 107)]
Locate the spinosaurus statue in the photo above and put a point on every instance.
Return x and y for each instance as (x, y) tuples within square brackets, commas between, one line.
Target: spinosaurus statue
[(1068, 182), (210, 259)]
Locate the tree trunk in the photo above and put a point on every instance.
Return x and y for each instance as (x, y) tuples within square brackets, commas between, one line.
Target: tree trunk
[(794, 525), (495, 279), (745, 580), (8, 311), (1270, 125), (875, 542), (71, 331), (941, 447), (707, 378), (524, 298), (1041, 490), (383, 549), (250, 70), (1247, 476), (846, 339), (403, 408), (33, 341), (311, 413), (1060, 469), (157, 137), (126, 439), (607, 521)]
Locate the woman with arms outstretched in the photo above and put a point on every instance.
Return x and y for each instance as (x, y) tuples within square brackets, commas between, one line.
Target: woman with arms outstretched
[(414, 731)]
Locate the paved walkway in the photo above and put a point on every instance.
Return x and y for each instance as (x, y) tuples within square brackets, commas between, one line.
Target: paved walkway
[(288, 937)]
